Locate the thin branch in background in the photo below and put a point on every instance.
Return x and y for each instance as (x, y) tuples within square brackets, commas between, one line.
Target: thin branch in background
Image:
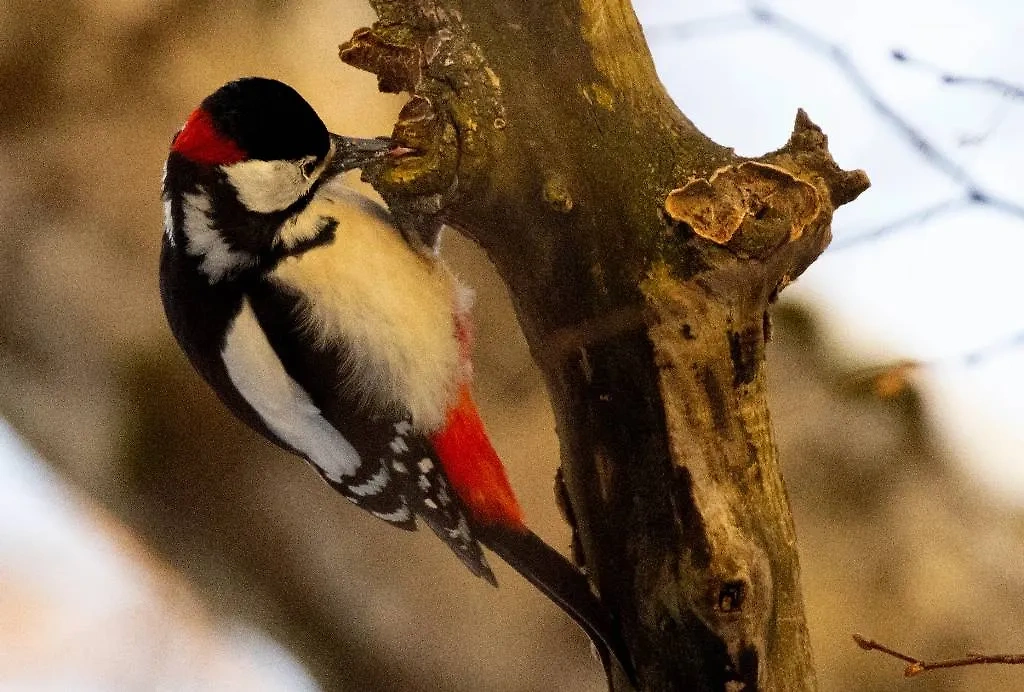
[(916, 666), (986, 353), (1004, 88), (916, 218), (974, 192), (921, 216), (976, 138), (1007, 91), (834, 53)]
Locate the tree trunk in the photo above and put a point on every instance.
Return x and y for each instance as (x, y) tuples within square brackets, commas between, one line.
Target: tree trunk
[(642, 258)]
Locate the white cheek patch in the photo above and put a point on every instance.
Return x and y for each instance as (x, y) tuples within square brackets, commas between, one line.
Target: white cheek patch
[(204, 241), (284, 406), (267, 186)]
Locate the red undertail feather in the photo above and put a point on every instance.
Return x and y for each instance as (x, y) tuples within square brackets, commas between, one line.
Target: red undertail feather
[(200, 142), (473, 467)]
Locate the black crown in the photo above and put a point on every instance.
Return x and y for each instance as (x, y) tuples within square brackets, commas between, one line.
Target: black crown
[(267, 119)]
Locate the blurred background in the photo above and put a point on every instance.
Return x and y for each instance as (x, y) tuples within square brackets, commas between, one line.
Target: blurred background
[(150, 542)]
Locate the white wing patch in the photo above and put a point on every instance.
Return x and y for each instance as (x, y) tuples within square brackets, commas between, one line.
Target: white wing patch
[(206, 242), (374, 485), (392, 307), (284, 406)]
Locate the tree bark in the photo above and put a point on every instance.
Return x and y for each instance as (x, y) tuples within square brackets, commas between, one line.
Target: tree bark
[(642, 258)]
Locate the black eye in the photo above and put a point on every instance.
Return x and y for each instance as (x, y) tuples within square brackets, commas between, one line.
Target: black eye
[(308, 167)]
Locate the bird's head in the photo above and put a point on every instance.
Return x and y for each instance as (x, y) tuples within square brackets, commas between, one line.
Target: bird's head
[(269, 143), (246, 162)]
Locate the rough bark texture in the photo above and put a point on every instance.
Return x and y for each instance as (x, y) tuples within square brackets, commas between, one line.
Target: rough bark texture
[(642, 258)]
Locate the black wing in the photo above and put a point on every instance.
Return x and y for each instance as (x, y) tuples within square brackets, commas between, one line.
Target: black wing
[(399, 475), (199, 314)]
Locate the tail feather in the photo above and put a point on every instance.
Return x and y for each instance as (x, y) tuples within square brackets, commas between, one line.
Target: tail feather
[(563, 583)]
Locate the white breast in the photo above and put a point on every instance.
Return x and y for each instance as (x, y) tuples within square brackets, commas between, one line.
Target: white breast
[(392, 307)]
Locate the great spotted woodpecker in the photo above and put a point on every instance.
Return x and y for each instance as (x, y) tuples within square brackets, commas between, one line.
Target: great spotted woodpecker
[(318, 325)]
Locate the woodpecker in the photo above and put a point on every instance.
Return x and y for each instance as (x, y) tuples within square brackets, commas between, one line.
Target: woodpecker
[(322, 328)]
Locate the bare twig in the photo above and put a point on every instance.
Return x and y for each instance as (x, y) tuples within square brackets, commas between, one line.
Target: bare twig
[(916, 666), (987, 352), (915, 218), (1007, 89)]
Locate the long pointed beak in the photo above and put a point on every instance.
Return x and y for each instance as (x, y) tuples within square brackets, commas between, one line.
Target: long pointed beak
[(350, 152)]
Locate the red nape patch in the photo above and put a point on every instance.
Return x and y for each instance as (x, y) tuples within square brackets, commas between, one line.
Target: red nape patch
[(473, 467), (200, 142)]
